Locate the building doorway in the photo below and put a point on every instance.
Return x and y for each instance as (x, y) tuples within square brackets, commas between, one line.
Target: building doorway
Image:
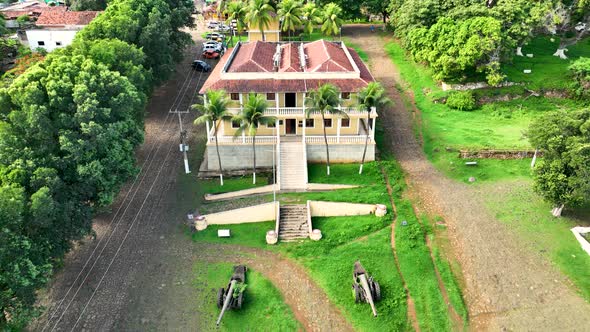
[(290, 126), (290, 100)]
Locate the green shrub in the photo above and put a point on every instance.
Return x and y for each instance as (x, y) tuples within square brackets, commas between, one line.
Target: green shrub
[(580, 70), (461, 100)]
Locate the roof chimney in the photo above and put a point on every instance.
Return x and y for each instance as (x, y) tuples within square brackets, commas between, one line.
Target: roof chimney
[(302, 57), (276, 58)]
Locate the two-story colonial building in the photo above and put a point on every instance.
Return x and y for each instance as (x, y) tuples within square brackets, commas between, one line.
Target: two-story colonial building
[(285, 73)]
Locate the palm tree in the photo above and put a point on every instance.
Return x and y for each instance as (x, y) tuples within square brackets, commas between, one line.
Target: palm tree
[(214, 109), (259, 14), (373, 95), (311, 16), (332, 20), (251, 116), (236, 10), (290, 11), (324, 100)]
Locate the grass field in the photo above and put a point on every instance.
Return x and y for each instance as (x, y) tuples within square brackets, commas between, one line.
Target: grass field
[(345, 239), (547, 70), (499, 125), (542, 232), (263, 310)]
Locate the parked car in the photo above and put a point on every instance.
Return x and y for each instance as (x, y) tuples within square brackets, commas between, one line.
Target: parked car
[(223, 28), (210, 54), (213, 46), (201, 66), (212, 25), (215, 36), (580, 27)]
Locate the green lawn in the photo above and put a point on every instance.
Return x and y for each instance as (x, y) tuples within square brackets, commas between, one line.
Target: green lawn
[(547, 70), (263, 308), (499, 125), (529, 216), (345, 239)]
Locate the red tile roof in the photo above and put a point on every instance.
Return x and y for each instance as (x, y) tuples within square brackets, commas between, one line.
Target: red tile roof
[(32, 9), (290, 58), (323, 56), (59, 18), (253, 57), (215, 82)]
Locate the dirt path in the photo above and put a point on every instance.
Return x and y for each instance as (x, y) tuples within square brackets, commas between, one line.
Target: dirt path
[(508, 287)]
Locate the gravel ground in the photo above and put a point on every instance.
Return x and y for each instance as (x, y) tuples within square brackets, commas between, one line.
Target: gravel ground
[(508, 287)]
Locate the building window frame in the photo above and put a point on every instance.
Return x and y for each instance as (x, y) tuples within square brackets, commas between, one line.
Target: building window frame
[(271, 125), (235, 124), (342, 125), (58, 43), (328, 121), (345, 95), (234, 96), (41, 43), (309, 123), (271, 96)]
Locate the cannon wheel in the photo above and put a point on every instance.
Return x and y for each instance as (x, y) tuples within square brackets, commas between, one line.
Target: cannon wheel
[(220, 294), (240, 300), (376, 291), (356, 292)]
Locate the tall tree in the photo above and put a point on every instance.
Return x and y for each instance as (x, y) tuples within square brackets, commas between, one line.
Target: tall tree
[(378, 7), (236, 10), (562, 177), (259, 15), (311, 16), (324, 100), (371, 96), (290, 12), (332, 22), (214, 110), (250, 118)]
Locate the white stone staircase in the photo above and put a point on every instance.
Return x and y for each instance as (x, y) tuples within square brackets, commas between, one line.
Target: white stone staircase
[(293, 164), (293, 223)]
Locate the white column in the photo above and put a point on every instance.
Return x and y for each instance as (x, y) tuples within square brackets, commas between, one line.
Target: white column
[(338, 130), (277, 110), (304, 119), (277, 128), (241, 101), (373, 128)]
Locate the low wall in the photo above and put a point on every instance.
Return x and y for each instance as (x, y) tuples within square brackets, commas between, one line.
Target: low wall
[(499, 154), (472, 86), (337, 209), (583, 242), (256, 213), (340, 153), (235, 157)]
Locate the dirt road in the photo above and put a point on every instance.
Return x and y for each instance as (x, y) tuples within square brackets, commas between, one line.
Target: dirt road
[(508, 287)]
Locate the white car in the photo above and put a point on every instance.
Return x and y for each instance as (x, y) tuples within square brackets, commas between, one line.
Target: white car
[(212, 46), (580, 27), (212, 25), (223, 28)]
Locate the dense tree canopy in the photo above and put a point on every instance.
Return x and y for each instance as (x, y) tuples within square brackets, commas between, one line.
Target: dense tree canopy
[(68, 129), (562, 177)]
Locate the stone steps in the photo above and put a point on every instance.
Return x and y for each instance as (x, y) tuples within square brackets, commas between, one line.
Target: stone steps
[(293, 166), (293, 223)]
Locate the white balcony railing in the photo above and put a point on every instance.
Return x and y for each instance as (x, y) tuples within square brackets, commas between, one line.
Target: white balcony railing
[(243, 140), (356, 139), (298, 111)]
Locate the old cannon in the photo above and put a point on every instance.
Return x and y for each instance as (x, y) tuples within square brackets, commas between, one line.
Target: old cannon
[(233, 296), (365, 288)]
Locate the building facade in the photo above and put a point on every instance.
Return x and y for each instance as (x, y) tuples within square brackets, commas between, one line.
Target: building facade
[(57, 28), (285, 73), (272, 33)]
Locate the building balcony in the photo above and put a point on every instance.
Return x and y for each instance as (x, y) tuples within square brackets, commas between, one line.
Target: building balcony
[(300, 111)]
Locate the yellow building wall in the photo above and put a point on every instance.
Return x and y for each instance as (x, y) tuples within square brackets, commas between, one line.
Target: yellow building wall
[(271, 34)]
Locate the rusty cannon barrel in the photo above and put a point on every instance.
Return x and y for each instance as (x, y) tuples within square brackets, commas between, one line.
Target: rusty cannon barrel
[(365, 288), (232, 297)]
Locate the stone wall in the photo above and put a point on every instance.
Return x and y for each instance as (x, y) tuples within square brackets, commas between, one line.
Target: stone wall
[(235, 157), (499, 154), (256, 213), (335, 209), (340, 153)]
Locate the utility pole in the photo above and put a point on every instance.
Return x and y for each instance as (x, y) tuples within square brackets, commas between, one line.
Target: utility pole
[(182, 146)]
